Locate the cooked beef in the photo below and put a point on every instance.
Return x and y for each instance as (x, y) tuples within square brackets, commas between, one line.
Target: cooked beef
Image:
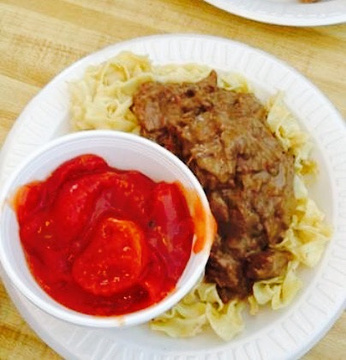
[(267, 264), (248, 178)]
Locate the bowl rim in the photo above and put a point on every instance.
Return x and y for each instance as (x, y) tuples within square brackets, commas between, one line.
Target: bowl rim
[(131, 319)]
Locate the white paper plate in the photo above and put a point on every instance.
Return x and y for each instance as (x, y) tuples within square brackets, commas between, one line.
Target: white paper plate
[(285, 334), (287, 12)]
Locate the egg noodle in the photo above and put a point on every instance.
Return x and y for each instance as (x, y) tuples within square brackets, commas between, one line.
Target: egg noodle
[(103, 99)]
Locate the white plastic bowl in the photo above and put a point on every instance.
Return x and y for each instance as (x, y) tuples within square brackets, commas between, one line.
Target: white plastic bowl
[(120, 150)]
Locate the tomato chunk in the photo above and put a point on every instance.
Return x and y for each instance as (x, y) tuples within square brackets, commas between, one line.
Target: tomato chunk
[(114, 258)]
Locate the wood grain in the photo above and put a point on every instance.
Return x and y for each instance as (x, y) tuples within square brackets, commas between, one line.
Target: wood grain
[(39, 38)]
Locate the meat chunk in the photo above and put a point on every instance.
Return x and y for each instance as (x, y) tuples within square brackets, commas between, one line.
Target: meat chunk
[(248, 178), (227, 272), (267, 264)]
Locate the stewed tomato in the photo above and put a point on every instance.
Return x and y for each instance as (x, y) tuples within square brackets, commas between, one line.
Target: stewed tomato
[(104, 241)]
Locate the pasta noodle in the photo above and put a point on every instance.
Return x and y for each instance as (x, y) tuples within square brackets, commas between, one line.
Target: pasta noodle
[(103, 99)]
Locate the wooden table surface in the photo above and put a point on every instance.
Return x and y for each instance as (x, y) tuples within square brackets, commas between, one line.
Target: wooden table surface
[(39, 38)]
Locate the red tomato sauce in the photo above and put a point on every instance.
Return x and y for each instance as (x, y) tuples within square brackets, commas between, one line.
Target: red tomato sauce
[(103, 241)]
